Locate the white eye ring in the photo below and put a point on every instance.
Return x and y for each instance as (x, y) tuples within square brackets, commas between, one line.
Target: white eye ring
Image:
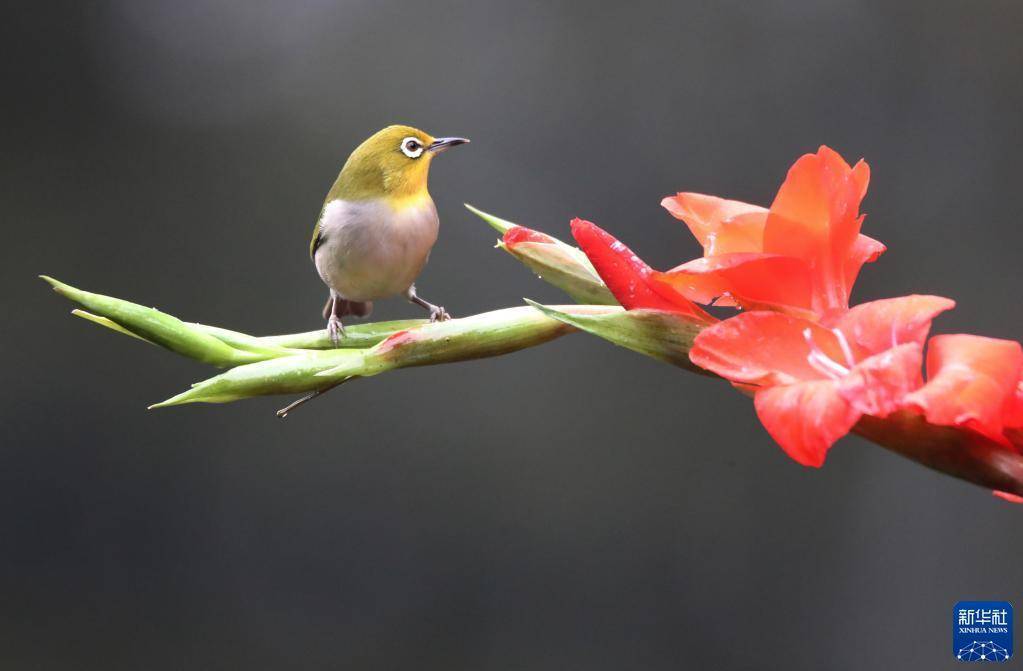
[(412, 147)]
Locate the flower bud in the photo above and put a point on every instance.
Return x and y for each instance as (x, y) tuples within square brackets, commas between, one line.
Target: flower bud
[(554, 261)]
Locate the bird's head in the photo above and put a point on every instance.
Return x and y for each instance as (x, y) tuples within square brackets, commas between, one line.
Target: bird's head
[(393, 163)]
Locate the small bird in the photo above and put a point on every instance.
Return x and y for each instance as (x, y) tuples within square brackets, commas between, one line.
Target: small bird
[(378, 225)]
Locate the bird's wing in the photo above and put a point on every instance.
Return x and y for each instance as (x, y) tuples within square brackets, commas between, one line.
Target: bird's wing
[(317, 238)]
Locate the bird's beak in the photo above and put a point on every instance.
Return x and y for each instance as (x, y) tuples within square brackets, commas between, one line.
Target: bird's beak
[(442, 143)]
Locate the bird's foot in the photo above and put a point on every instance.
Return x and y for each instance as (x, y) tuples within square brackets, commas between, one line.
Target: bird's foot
[(335, 329), (437, 313)]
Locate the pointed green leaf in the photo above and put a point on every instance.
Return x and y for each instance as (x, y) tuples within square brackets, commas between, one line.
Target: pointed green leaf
[(356, 335), (498, 224), (294, 374), (161, 329), (107, 323), (246, 342)]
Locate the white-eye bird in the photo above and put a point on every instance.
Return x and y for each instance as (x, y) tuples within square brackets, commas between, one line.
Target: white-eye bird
[(378, 224)]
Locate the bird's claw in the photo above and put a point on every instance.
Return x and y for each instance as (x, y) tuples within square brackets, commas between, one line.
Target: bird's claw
[(335, 329), (439, 314)]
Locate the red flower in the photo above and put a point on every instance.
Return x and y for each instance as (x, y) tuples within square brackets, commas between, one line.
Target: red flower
[(627, 276), (972, 382), (815, 366), (801, 256), (812, 383)]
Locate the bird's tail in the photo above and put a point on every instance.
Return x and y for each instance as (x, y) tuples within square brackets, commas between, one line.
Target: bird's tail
[(355, 308)]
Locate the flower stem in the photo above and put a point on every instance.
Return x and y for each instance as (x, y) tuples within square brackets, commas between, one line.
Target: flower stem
[(957, 452)]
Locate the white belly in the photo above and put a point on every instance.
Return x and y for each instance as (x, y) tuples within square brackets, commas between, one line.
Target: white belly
[(371, 250)]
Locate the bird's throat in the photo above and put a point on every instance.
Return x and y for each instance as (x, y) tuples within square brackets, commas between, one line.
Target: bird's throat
[(401, 202)]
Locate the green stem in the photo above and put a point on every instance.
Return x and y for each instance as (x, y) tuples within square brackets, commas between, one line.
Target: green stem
[(485, 335)]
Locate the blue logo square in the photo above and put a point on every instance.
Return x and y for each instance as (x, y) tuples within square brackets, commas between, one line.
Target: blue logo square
[(982, 631)]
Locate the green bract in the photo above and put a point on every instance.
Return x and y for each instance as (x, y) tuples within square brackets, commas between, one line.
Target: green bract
[(555, 262)]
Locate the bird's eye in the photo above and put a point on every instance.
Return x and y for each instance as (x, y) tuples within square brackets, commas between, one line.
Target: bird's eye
[(412, 147)]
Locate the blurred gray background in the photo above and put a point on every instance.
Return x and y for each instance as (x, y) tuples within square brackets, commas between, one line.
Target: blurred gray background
[(574, 506)]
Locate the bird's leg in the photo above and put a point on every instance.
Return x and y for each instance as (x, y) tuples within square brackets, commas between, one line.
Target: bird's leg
[(437, 313), (335, 329)]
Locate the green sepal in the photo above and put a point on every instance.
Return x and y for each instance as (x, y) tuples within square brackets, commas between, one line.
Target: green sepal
[(559, 266), (665, 336)]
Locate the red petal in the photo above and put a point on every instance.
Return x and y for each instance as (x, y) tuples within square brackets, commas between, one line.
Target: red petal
[(864, 250), (1011, 498), (815, 217), (625, 274), (1014, 408), (754, 281), (805, 419), (880, 325), (763, 348), (721, 226), (697, 280), (817, 204), (878, 385), (517, 234), (971, 382)]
